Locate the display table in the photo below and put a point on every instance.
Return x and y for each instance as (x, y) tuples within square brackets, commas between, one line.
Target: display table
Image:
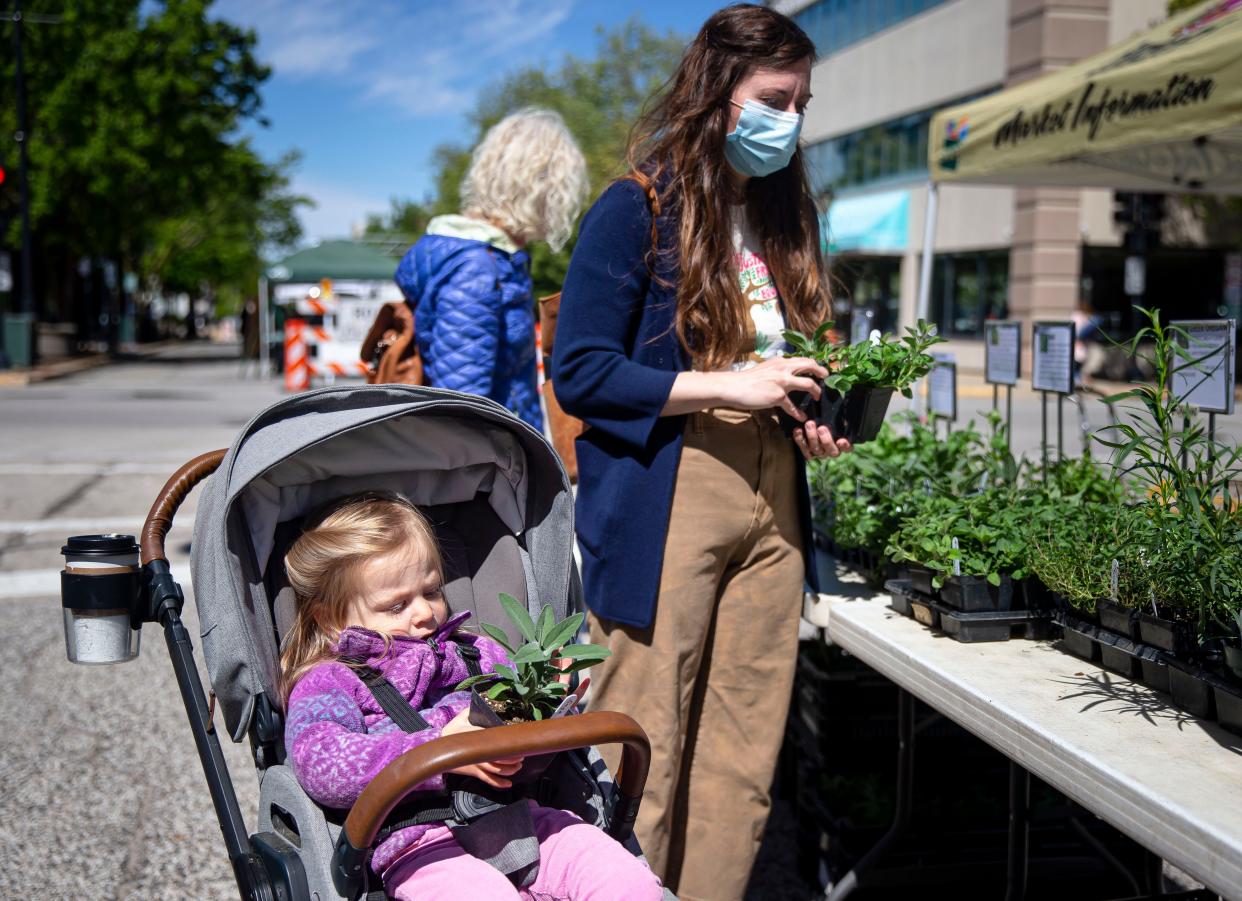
[(1167, 780)]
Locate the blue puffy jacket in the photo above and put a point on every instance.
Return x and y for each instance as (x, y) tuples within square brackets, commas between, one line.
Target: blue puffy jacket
[(470, 290)]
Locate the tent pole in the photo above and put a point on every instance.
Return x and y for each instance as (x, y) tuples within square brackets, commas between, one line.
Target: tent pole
[(264, 349), (922, 310)]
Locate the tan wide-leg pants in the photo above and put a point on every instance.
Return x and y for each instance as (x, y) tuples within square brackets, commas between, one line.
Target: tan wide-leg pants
[(710, 680)]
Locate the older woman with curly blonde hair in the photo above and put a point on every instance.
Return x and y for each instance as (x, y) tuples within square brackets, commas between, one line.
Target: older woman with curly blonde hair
[(467, 279)]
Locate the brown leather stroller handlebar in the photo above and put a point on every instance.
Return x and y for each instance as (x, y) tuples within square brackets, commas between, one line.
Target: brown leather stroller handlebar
[(175, 490), (414, 767)]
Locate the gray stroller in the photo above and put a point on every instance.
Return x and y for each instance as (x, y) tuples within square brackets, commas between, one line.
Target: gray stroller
[(501, 506)]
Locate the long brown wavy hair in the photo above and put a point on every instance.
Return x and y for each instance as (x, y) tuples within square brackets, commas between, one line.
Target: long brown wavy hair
[(676, 152)]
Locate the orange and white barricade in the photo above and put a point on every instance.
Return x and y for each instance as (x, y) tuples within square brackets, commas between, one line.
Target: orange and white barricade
[(297, 356)]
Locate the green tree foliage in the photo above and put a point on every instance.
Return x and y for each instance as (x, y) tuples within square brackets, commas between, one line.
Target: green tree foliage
[(600, 98), (135, 154)]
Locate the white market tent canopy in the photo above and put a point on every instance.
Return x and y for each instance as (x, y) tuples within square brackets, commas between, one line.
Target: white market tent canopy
[(1160, 112)]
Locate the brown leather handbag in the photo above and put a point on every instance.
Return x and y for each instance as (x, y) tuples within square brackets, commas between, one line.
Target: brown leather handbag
[(564, 428), (389, 348)]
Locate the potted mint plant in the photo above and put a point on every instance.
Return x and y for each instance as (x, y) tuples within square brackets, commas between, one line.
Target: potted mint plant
[(531, 689), (861, 377)]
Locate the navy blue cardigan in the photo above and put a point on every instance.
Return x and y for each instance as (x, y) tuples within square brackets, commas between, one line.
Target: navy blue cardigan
[(614, 361)]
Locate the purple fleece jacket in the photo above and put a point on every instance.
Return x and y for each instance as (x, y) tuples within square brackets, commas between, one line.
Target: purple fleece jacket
[(338, 737)]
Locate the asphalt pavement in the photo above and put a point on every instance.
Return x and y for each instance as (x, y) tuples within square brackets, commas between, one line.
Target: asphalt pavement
[(101, 792)]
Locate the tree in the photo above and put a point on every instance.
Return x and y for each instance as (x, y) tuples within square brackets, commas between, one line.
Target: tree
[(600, 99), (135, 153)]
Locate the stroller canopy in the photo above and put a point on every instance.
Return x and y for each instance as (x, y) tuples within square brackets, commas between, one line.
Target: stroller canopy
[(433, 446)]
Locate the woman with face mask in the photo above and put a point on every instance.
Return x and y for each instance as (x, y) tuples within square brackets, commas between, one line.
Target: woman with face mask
[(693, 514)]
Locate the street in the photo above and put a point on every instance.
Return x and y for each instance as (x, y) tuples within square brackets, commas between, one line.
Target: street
[(101, 792)]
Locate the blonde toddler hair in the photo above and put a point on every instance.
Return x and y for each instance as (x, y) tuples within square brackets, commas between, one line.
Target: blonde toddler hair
[(527, 176), (324, 564)]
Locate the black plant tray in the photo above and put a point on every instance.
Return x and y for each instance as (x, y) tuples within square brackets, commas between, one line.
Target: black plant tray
[(988, 625), (974, 594), (1078, 637), (994, 625), (1176, 637)]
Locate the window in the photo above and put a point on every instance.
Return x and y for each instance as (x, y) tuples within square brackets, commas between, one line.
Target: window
[(889, 150), (836, 24), (968, 289)]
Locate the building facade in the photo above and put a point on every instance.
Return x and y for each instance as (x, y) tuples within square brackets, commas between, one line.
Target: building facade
[(884, 67)]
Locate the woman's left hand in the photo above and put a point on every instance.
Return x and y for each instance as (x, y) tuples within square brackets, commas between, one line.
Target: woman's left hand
[(816, 441)]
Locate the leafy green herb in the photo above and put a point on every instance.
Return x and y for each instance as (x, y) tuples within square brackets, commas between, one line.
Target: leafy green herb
[(882, 362), (530, 689)]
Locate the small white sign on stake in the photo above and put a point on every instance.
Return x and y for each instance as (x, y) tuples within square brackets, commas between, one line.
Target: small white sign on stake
[(1207, 382), (1052, 357), (860, 325), (942, 388), (1003, 352)]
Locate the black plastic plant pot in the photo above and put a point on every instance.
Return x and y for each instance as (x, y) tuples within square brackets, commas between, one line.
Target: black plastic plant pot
[(1191, 691), (1120, 657), (921, 579), (1116, 618), (1178, 638), (975, 594), (1078, 638), (1228, 697), (899, 592), (1035, 594), (1155, 672), (856, 415)]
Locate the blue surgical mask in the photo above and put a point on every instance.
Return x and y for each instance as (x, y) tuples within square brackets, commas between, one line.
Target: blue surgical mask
[(764, 140)]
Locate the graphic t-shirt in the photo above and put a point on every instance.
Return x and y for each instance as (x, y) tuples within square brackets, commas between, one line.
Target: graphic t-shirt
[(760, 292)]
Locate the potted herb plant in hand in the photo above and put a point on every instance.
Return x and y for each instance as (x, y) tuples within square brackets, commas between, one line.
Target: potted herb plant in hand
[(535, 686), (862, 377)]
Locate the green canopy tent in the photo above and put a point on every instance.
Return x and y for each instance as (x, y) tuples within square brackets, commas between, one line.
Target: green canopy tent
[(1160, 112), (336, 260)]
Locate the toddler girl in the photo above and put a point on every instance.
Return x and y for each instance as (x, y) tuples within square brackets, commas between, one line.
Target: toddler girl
[(368, 578)]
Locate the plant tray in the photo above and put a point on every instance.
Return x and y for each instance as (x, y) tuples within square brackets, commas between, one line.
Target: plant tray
[(993, 625), (1122, 657), (1155, 672), (973, 594), (899, 592)]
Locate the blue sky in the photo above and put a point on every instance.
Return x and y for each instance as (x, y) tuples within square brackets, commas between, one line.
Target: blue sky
[(366, 89)]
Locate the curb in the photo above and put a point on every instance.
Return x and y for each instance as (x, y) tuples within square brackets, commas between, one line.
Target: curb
[(20, 378)]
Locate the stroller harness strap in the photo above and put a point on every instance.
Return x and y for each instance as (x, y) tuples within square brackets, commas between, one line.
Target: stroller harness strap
[(496, 827)]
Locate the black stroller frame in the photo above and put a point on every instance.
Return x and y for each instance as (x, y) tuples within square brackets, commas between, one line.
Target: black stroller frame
[(267, 865)]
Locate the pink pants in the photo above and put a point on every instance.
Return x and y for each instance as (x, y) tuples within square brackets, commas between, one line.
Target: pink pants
[(577, 862)]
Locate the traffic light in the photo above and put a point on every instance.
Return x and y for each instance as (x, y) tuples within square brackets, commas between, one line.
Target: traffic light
[(3, 173)]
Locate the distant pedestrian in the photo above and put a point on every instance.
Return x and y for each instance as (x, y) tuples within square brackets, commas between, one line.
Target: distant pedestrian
[(692, 507), (468, 280)]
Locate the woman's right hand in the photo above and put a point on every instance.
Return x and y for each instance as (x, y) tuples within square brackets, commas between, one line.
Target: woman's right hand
[(769, 383), (496, 773)]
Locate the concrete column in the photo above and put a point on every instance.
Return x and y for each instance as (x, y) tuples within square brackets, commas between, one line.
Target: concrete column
[(1045, 260)]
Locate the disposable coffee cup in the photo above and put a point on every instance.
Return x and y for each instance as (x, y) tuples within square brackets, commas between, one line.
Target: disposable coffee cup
[(99, 587)]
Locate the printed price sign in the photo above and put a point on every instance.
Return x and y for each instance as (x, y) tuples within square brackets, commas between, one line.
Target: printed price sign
[(1052, 357), (860, 325), (942, 388), (1003, 352), (1206, 381)]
